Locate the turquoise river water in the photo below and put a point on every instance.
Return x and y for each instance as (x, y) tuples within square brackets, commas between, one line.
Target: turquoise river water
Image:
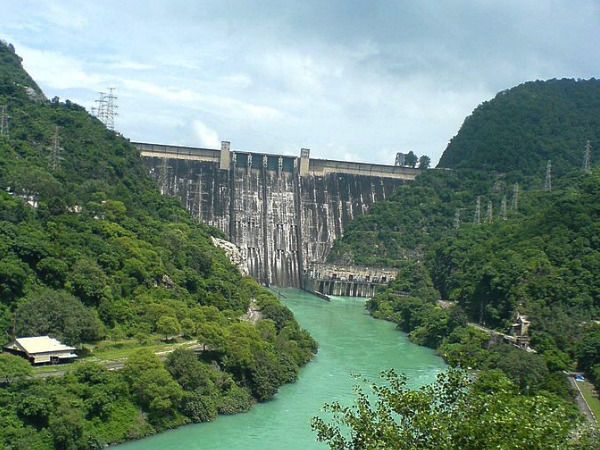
[(350, 342)]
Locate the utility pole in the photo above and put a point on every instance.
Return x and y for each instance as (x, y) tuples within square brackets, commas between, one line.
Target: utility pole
[(55, 151), (478, 211), (3, 121), (587, 155), (489, 216), (548, 182), (516, 197), (503, 208)]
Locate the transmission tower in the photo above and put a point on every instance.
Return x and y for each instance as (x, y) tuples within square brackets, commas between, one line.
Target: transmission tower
[(489, 215), (587, 155), (457, 219), (515, 199), (111, 109), (100, 109), (55, 151), (105, 109), (478, 211), (548, 182), (3, 121), (503, 208)]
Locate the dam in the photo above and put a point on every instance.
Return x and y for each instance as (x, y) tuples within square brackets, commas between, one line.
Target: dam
[(283, 212)]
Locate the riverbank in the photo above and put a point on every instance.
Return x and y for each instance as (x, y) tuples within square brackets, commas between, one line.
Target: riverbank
[(350, 343)]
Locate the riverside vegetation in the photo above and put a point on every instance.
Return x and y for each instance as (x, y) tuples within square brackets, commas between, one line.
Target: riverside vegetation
[(90, 252), (542, 260)]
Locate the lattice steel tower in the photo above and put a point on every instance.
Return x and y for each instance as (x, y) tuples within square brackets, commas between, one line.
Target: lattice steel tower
[(587, 156), (106, 108), (548, 182), (3, 121)]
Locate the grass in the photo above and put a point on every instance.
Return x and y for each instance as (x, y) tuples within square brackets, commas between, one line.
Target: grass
[(591, 397), (118, 351)]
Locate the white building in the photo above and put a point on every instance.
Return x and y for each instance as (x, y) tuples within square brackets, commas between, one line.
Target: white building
[(41, 350)]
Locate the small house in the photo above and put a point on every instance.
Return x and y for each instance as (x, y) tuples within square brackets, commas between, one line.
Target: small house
[(521, 326), (41, 350)]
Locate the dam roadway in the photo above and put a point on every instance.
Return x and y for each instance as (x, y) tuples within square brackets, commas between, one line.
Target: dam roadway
[(283, 212)]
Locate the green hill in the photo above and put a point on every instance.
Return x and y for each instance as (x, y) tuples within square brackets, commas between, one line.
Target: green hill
[(523, 127), (537, 253), (506, 140), (90, 252)]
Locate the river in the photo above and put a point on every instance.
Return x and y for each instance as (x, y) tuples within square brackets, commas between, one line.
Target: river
[(350, 342)]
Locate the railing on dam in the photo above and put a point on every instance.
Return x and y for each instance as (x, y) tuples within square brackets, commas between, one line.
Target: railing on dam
[(178, 152), (310, 167)]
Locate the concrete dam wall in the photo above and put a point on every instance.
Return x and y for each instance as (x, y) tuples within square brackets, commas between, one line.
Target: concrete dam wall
[(283, 212)]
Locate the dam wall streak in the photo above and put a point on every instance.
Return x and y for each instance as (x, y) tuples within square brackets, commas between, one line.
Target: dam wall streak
[(283, 212)]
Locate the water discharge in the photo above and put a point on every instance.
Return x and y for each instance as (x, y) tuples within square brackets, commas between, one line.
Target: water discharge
[(351, 342)]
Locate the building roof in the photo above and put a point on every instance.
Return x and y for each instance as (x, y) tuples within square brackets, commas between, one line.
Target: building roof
[(42, 344)]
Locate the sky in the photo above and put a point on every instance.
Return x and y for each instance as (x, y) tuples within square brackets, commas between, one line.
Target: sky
[(349, 79)]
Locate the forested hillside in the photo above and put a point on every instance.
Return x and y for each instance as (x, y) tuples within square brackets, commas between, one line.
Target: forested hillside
[(506, 140), (90, 252), (535, 249), (523, 127)]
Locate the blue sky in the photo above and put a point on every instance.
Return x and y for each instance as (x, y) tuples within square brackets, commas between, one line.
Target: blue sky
[(349, 79)]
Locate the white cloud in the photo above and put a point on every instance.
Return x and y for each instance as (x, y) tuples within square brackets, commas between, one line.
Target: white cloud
[(57, 70), (207, 137), (349, 80)]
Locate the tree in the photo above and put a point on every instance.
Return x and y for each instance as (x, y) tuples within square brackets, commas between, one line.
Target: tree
[(56, 313), (187, 370), (88, 281), (411, 159), (169, 326), (424, 162), (453, 412), (13, 367), (188, 327)]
